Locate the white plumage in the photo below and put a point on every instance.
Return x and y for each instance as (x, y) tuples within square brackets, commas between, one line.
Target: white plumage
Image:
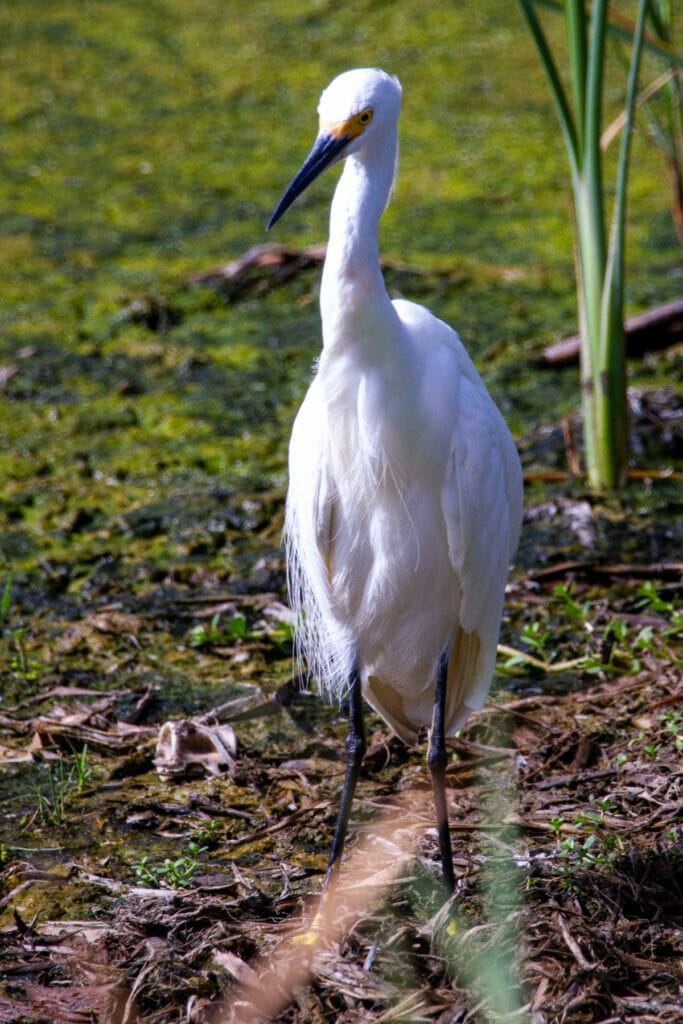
[(405, 495)]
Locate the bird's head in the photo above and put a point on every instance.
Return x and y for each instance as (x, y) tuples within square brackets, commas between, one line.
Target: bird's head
[(356, 107)]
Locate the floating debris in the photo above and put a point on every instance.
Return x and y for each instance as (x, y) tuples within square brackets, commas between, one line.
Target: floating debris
[(190, 749)]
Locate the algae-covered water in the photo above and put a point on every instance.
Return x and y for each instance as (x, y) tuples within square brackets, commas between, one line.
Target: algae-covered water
[(143, 142), (144, 419), (144, 416)]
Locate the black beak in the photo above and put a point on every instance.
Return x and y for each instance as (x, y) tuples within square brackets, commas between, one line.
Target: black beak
[(326, 151)]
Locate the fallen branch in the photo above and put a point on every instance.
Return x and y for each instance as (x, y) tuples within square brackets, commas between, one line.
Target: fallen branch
[(650, 331), (263, 266)]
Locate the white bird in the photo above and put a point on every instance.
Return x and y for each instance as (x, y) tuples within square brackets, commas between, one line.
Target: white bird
[(405, 488)]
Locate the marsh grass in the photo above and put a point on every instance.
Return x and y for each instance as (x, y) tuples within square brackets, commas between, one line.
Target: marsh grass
[(144, 470), (604, 643), (599, 249), (64, 779)]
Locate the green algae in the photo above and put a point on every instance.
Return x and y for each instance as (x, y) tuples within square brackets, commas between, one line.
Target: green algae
[(144, 419)]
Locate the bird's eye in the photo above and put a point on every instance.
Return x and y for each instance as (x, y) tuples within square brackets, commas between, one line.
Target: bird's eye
[(356, 124)]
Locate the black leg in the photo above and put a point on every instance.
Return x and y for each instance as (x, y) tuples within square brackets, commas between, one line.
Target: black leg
[(437, 760), (355, 749)]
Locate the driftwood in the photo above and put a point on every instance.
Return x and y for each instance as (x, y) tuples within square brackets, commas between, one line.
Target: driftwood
[(264, 266), (646, 332), (259, 268)]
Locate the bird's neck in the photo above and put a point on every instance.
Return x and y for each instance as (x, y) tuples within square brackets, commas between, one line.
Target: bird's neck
[(352, 286)]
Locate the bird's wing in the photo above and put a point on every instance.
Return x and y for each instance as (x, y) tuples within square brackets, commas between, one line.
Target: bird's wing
[(309, 536), (481, 500), (310, 497), (482, 508)]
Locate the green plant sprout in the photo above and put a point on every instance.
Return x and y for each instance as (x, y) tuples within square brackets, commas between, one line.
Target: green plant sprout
[(534, 635), (62, 781), (616, 646), (593, 843), (214, 634), (651, 598), (20, 662), (205, 636), (175, 874), (563, 598), (673, 721), (6, 601), (207, 833), (80, 769)]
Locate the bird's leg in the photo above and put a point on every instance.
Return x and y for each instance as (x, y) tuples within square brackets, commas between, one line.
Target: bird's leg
[(355, 750), (437, 759)]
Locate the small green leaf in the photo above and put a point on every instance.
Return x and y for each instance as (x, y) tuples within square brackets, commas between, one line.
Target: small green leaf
[(237, 627), (6, 600)]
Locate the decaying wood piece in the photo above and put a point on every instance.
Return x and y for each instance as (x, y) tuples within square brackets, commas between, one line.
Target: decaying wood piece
[(587, 925), (189, 748), (263, 266), (650, 331), (570, 802), (259, 268)]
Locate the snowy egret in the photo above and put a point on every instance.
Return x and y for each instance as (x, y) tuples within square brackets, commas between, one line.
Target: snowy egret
[(405, 492)]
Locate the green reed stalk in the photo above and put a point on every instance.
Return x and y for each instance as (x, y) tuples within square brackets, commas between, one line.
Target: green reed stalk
[(599, 261)]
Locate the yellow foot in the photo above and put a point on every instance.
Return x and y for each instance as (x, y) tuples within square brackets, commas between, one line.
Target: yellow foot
[(318, 931)]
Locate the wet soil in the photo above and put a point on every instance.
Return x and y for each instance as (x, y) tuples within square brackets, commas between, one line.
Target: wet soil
[(134, 895), (147, 394)]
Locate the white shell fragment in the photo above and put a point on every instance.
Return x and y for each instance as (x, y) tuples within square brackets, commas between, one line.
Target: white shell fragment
[(189, 748)]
